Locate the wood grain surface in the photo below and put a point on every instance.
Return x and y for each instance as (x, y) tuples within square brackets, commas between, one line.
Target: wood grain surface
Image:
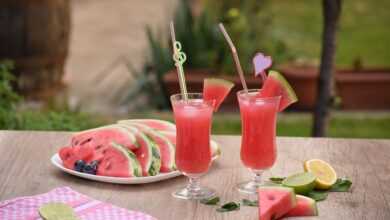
[(25, 169)]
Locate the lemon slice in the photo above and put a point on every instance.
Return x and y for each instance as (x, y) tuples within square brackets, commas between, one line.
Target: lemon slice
[(325, 174)]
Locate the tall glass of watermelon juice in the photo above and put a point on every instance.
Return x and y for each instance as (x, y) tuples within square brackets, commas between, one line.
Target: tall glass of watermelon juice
[(258, 145), (193, 154)]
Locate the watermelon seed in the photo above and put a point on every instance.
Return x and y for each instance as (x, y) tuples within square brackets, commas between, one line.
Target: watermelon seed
[(98, 147), (86, 141), (270, 197)]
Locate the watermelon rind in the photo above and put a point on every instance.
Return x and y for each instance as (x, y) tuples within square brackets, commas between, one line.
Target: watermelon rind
[(312, 203), (216, 81), (134, 166), (308, 209), (286, 86), (290, 191), (153, 165), (215, 149), (153, 135), (165, 124)]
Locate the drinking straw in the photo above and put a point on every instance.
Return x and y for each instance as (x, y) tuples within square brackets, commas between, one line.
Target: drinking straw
[(235, 57), (179, 57)]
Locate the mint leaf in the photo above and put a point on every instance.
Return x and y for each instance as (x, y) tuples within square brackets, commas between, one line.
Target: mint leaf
[(230, 206), (341, 185), (248, 202), (212, 201), (277, 179), (318, 195)]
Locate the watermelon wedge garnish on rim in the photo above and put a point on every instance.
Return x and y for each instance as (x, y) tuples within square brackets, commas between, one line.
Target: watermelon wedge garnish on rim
[(277, 85), (217, 90)]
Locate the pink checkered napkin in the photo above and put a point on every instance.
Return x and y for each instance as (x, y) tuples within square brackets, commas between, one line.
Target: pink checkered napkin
[(26, 208)]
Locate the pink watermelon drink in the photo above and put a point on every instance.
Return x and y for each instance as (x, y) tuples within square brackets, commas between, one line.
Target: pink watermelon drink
[(258, 116), (258, 147), (193, 156), (193, 124)]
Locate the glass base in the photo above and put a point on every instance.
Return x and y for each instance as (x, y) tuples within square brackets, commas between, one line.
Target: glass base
[(195, 194), (250, 187)]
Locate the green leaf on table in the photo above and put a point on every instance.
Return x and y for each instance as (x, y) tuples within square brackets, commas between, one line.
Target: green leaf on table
[(277, 179), (212, 201), (318, 195), (248, 202), (341, 185), (230, 206)]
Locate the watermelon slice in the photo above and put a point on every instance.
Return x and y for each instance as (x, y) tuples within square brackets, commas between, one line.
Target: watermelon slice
[(275, 201), (147, 154), (277, 85), (167, 148), (160, 125), (105, 135), (217, 90), (69, 155), (171, 135), (118, 161), (305, 207)]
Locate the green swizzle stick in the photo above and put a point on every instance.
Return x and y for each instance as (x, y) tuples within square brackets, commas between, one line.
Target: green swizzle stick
[(179, 57)]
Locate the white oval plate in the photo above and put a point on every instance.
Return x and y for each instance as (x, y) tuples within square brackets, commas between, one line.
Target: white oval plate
[(56, 161)]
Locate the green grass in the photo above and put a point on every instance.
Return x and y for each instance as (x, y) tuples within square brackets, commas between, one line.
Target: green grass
[(364, 30), (348, 125)]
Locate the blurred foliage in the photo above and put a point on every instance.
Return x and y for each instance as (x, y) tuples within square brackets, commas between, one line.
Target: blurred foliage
[(8, 98), (363, 36), (13, 118), (56, 121), (204, 45)]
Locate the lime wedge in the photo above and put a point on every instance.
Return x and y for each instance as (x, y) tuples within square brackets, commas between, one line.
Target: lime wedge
[(302, 183), (57, 211)]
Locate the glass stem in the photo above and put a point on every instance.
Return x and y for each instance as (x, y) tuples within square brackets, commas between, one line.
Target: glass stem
[(257, 177), (193, 184)]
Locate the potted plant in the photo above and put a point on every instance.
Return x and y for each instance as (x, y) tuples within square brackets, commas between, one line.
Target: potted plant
[(208, 55), (358, 88)]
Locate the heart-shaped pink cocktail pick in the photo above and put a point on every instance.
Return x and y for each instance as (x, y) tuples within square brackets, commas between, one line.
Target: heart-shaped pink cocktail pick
[(261, 63)]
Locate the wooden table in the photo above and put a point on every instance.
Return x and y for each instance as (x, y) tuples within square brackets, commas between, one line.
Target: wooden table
[(25, 169)]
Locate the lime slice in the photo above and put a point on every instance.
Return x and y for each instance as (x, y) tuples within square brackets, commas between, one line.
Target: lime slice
[(325, 174), (302, 183), (56, 211)]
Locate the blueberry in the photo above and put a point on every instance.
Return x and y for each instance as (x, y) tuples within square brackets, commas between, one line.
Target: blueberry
[(79, 165), (89, 169), (94, 164)]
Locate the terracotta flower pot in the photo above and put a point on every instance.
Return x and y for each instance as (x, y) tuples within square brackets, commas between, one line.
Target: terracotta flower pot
[(366, 89)]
